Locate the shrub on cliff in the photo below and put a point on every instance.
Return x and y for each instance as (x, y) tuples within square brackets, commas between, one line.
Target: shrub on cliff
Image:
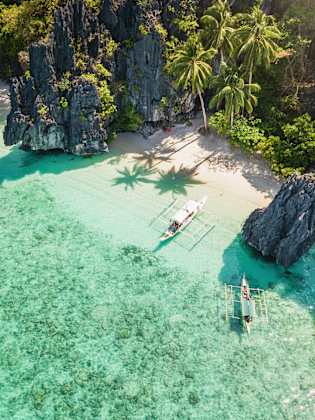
[(128, 119), (108, 106), (19, 26)]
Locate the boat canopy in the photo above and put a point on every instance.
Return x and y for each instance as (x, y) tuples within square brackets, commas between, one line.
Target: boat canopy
[(248, 308), (190, 207)]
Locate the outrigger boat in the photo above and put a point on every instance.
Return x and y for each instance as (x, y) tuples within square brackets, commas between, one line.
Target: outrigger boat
[(183, 218), (248, 307)]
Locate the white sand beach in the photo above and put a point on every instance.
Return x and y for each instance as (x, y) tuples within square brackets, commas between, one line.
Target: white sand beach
[(211, 158)]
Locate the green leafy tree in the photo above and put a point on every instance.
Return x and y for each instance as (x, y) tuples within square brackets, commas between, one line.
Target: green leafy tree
[(259, 38), (234, 93), (190, 64), (217, 28), (20, 24)]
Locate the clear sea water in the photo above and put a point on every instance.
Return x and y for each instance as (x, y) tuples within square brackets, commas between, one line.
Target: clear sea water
[(99, 322)]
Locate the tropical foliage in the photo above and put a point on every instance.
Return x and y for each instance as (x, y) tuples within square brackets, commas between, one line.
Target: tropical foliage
[(21, 24), (292, 151), (218, 28), (258, 37), (236, 95), (190, 65)]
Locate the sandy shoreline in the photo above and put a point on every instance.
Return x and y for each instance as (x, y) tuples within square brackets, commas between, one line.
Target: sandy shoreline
[(211, 159), (184, 152)]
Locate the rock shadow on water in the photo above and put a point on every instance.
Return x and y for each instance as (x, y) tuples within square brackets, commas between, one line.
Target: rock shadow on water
[(18, 164), (239, 259)]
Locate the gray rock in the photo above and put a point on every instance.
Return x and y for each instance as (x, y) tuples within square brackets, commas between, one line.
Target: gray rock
[(44, 116), (86, 134), (285, 230)]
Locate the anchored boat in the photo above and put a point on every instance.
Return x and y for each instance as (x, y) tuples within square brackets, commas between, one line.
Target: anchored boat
[(183, 218), (248, 307)]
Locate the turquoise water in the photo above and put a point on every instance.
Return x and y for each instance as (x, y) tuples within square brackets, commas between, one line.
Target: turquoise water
[(99, 322)]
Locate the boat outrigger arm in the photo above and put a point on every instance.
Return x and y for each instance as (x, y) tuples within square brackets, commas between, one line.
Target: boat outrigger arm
[(183, 218)]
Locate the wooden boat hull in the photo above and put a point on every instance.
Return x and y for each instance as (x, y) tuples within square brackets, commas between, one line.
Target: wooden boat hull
[(247, 305), (171, 234)]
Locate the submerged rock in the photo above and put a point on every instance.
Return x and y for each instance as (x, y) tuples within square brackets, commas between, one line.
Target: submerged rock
[(285, 230)]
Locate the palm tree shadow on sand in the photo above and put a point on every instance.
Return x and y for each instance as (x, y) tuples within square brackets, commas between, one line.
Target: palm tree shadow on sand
[(176, 181), (133, 177), (152, 158)]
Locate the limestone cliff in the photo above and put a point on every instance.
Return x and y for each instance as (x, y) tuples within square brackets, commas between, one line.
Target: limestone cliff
[(285, 230), (58, 103)]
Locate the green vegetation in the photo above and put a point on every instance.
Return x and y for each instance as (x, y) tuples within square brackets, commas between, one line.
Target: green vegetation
[(65, 84), (20, 24), (218, 28), (63, 102), (108, 106), (258, 36), (292, 151), (190, 64), (236, 95), (263, 66), (43, 110), (110, 48), (95, 5), (128, 119)]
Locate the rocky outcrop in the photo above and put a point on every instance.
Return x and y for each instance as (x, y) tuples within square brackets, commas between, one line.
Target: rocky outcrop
[(55, 107), (285, 230)]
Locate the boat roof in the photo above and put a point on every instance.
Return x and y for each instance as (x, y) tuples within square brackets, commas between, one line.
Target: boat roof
[(183, 213), (181, 216), (191, 205), (248, 308)]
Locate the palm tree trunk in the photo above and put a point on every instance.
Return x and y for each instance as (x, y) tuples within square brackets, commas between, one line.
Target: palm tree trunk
[(250, 76), (232, 117), (203, 110), (221, 57)]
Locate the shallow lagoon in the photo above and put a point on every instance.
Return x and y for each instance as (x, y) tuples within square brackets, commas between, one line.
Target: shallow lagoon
[(100, 322)]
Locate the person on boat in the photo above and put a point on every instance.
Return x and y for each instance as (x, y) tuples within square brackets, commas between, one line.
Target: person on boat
[(175, 226), (247, 318), (245, 293)]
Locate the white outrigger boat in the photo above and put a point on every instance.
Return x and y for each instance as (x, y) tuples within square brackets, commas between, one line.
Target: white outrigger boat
[(248, 306), (183, 218)]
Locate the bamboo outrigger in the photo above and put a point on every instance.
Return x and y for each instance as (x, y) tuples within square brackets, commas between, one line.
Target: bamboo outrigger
[(245, 304)]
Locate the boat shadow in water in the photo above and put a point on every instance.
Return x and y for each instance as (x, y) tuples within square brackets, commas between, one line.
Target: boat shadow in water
[(163, 244), (295, 283)]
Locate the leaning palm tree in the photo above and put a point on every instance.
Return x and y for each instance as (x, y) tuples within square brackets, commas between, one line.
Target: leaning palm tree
[(236, 95), (190, 64), (217, 28), (258, 36)]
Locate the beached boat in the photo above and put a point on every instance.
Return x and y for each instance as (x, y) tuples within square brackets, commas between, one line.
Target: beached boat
[(183, 218), (248, 308)]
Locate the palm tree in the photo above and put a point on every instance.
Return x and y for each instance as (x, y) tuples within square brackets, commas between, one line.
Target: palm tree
[(190, 64), (218, 27), (234, 93), (258, 38)]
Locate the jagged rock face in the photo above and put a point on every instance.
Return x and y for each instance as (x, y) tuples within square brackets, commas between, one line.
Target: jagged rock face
[(285, 230), (37, 117)]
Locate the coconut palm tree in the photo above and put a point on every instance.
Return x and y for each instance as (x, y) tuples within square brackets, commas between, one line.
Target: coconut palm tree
[(236, 95), (217, 28), (190, 64), (258, 37)]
